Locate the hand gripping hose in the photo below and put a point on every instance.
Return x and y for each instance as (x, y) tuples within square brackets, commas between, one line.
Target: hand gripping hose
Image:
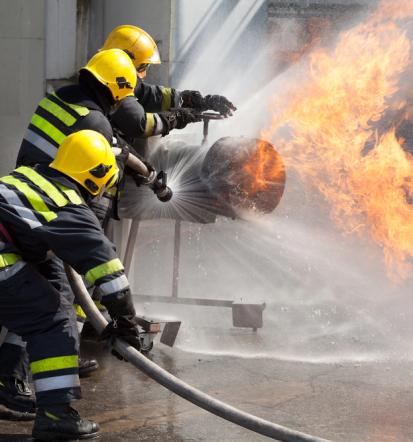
[(179, 387)]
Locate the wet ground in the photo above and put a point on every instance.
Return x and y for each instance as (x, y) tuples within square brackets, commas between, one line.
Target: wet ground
[(363, 402)]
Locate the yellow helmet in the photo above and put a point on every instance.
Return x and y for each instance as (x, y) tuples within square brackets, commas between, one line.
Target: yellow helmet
[(114, 69), (87, 158), (136, 42)]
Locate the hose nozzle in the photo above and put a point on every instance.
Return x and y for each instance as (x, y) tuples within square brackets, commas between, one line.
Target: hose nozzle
[(160, 188)]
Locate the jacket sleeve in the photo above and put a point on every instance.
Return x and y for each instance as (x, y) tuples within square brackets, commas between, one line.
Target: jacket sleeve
[(95, 120), (157, 98), (131, 119), (76, 237)]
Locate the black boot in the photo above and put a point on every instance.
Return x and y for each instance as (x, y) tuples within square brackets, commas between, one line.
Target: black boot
[(16, 395), (87, 366), (62, 422)]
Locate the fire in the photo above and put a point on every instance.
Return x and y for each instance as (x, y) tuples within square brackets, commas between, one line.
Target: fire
[(262, 169), (335, 140)]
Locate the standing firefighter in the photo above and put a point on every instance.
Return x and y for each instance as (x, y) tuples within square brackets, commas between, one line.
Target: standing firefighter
[(160, 108), (44, 209)]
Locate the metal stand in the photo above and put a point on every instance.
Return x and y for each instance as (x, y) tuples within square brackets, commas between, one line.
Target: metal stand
[(246, 315)]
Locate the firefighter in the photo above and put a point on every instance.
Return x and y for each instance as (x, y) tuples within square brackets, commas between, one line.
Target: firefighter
[(159, 105), (44, 209), (107, 79)]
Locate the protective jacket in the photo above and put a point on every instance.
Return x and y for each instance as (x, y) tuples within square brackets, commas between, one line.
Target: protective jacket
[(138, 117), (45, 211), (68, 110)]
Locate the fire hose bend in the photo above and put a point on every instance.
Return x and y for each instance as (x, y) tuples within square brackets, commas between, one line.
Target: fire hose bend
[(179, 387)]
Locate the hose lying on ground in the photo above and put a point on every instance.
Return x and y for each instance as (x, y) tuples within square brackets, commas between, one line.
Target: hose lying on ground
[(179, 387)]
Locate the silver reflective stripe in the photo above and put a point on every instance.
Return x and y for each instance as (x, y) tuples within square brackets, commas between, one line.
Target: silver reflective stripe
[(12, 338), (116, 151), (41, 143), (2, 245), (116, 285), (57, 382), (158, 125), (8, 272), (16, 203)]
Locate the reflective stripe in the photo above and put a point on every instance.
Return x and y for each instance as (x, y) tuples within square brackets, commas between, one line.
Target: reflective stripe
[(13, 339), (79, 311), (57, 382), (158, 125), (104, 269), (8, 259), (73, 196), (99, 305), (44, 184), (116, 285), (41, 143), (53, 132), (81, 110), (166, 98), (56, 363), (8, 272), (150, 124), (58, 112), (16, 203), (33, 197)]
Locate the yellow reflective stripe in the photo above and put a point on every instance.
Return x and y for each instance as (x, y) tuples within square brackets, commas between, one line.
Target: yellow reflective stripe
[(57, 112), (44, 184), (79, 311), (8, 259), (99, 306), (81, 110), (104, 269), (166, 98), (73, 196), (56, 363), (51, 416), (33, 197), (150, 124), (53, 132)]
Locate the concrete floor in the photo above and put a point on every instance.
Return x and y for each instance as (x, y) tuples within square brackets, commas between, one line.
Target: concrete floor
[(363, 402)]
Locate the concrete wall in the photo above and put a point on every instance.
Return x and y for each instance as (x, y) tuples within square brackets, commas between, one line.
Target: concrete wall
[(22, 72)]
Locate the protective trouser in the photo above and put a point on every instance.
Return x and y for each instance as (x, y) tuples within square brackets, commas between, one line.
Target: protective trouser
[(13, 357), (33, 309), (14, 361)]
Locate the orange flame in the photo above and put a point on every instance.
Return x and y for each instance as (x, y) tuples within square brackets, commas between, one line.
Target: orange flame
[(333, 143), (263, 169)]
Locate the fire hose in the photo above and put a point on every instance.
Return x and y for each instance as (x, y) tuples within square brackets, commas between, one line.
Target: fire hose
[(179, 387)]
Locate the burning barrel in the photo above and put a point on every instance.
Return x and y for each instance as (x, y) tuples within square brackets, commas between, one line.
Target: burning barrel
[(234, 176), (244, 174)]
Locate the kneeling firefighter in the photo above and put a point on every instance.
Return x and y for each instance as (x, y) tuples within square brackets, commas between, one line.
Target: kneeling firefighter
[(43, 210)]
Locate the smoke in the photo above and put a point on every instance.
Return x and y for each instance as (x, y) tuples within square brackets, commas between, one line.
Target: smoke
[(327, 294)]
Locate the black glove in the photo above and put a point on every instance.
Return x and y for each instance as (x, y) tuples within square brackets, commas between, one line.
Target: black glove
[(120, 305), (141, 180), (125, 329), (219, 104), (193, 99), (178, 119)]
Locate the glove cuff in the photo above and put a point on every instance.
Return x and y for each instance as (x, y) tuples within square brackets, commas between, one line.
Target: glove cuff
[(121, 305)]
